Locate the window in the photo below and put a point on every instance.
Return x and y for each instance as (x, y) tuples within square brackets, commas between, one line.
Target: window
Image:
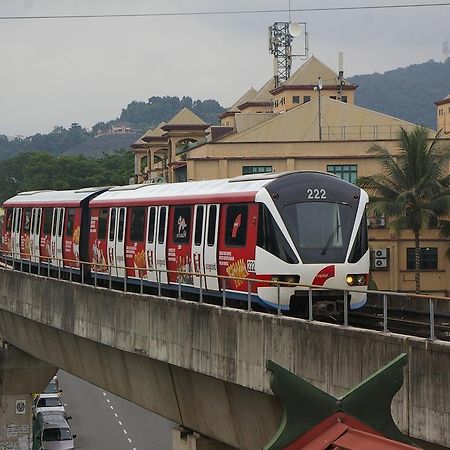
[(306, 98), (249, 170), (212, 225), (37, 224), (48, 213), (333, 97), (60, 223), (361, 244), (102, 223), (8, 219), (344, 99), (182, 224), (199, 225), (18, 219), (162, 225), (27, 221), (121, 225), (347, 172), (70, 222), (428, 258), (137, 224), (151, 225), (271, 238), (236, 225), (295, 99), (112, 224)]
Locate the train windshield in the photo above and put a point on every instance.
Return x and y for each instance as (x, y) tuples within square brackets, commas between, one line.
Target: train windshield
[(320, 230)]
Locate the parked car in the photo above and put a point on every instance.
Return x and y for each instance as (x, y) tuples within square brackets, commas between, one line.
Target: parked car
[(52, 432), (49, 403), (53, 386)]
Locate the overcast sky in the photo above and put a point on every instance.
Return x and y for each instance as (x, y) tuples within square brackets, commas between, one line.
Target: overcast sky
[(55, 72)]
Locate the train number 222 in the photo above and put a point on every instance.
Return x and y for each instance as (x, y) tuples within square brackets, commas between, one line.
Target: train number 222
[(316, 193)]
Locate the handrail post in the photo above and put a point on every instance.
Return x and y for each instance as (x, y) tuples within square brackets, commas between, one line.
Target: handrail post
[(224, 296), (385, 313), (95, 275), (125, 280), (110, 276), (249, 295), (201, 288), (432, 329), (310, 304), (345, 308), (179, 286), (141, 272), (278, 299), (82, 272), (158, 274), (70, 273)]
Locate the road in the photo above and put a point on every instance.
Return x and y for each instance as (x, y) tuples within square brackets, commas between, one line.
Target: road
[(103, 421)]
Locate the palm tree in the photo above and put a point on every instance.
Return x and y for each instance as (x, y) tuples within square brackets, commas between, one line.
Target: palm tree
[(413, 186)]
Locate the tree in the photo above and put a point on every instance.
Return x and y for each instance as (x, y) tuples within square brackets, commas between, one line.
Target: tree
[(413, 187)]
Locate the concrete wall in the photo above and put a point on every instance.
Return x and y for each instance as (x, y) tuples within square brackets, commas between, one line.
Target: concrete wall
[(216, 357)]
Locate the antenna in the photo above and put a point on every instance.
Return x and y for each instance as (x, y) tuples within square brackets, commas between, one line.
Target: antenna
[(340, 78), (445, 50), (281, 35)]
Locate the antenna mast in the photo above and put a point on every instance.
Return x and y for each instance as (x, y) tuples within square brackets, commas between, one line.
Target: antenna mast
[(445, 50)]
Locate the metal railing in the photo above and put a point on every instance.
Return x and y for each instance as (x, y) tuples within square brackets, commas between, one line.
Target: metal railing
[(75, 271)]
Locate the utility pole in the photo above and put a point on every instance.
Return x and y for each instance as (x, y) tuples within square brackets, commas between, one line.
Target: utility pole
[(318, 88)]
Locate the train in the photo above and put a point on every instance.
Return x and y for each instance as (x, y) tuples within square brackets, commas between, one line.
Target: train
[(260, 238)]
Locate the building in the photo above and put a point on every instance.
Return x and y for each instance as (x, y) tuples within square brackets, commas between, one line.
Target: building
[(308, 123), (443, 114)]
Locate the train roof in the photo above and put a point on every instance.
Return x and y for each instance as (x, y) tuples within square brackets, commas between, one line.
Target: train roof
[(52, 198), (242, 188)]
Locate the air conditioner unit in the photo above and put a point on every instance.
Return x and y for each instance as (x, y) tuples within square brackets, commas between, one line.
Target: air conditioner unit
[(380, 253), (380, 263), (380, 222)]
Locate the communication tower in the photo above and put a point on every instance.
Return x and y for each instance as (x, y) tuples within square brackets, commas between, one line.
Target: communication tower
[(445, 50), (281, 35)]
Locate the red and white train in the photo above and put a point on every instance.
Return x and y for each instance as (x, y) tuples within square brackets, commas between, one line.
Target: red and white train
[(301, 227)]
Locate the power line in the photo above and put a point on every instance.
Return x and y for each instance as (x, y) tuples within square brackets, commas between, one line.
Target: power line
[(224, 13)]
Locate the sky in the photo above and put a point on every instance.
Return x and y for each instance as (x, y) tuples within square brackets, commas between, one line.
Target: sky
[(56, 72)]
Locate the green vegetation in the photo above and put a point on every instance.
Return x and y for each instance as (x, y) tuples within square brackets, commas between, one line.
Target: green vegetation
[(407, 93), (40, 170), (412, 189)]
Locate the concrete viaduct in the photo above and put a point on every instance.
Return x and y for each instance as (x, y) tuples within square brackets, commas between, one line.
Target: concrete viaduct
[(203, 366)]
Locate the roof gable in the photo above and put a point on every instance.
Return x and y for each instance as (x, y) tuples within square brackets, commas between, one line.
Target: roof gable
[(185, 117), (310, 72)]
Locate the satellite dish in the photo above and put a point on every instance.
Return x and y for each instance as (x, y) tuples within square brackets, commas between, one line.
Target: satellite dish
[(295, 29)]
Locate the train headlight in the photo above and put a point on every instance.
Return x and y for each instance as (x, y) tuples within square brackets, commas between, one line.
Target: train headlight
[(356, 279), (350, 280)]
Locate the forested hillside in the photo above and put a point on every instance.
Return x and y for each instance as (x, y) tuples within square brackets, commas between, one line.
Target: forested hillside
[(408, 93)]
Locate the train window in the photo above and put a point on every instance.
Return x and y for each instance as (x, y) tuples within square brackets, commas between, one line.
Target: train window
[(112, 224), (151, 225), (361, 244), (162, 225), (18, 219), (182, 224), (199, 225), (137, 224), (8, 219), (121, 224), (27, 220), (102, 223), (271, 238), (33, 220), (13, 220), (60, 221), (212, 225), (37, 225), (70, 222), (236, 225), (48, 213), (55, 221)]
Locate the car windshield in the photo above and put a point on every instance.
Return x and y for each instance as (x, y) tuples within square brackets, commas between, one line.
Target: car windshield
[(57, 434), (49, 402), (320, 230)]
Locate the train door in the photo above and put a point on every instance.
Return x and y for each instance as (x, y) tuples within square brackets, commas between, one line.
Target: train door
[(198, 245), (33, 237), (25, 244), (150, 245), (161, 243), (15, 233), (238, 226), (210, 251), (46, 235), (57, 236), (120, 243), (112, 229)]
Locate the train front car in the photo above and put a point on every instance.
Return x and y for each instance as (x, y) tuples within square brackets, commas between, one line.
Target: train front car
[(313, 230)]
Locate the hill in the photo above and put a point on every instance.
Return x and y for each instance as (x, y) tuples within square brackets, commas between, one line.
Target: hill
[(108, 143), (407, 93)]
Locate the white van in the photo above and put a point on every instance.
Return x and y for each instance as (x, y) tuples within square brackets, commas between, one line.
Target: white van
[(55, 433)]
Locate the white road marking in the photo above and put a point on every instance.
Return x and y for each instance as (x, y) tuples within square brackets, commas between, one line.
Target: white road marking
[(108, 400), (115, 415), (120, 423), (111, 406), (125, 431), (104, 393), (129, 440)]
